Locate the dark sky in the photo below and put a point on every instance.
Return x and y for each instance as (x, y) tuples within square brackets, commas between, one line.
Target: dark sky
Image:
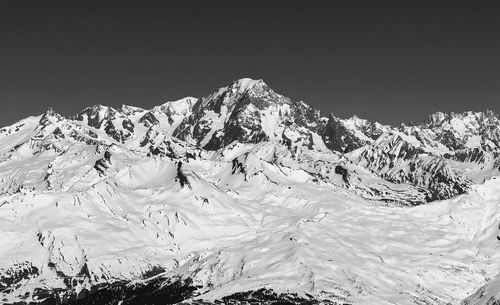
[(387, 61)]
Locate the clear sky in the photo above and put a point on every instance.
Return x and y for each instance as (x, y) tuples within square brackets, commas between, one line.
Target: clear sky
[(390, 61)]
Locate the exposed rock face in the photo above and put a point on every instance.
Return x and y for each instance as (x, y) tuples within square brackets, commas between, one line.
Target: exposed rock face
[(234, 113), (149, 119), (116, 124), (339, 138), (399, 160), (465, 130)]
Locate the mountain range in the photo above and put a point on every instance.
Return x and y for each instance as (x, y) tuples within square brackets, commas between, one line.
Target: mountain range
[(247, 196)]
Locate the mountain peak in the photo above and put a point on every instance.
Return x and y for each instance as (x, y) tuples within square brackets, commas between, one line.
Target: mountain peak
[(244, 84), (128, 110), (435, 118), (95, 115), (438, 118), (242, 91), (50, 116)]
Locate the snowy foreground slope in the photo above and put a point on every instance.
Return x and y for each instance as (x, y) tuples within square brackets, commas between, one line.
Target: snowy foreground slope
[(246, 196)]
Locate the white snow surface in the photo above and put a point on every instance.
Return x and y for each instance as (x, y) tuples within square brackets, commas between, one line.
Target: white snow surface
[(274, 228)]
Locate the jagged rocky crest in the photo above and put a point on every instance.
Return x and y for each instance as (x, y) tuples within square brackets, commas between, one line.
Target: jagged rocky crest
[(428, 156)]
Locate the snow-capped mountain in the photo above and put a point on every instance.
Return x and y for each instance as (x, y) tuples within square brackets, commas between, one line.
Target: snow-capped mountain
[(247, 196)]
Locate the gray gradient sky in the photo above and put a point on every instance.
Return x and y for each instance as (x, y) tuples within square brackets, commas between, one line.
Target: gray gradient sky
[(390, 61)]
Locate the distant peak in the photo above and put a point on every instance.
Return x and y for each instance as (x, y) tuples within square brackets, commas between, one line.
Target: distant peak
[(129, 107), (356, 119), (49, 111), (435, 118), (244, 89), (128, 110), (97, 107), (248, 83), (439, 117), (50, 116), (190, 100), (243, 85), (181, 106), (99, 111)]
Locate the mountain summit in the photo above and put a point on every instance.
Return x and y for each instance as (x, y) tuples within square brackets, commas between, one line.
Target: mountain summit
[(244, 196)]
